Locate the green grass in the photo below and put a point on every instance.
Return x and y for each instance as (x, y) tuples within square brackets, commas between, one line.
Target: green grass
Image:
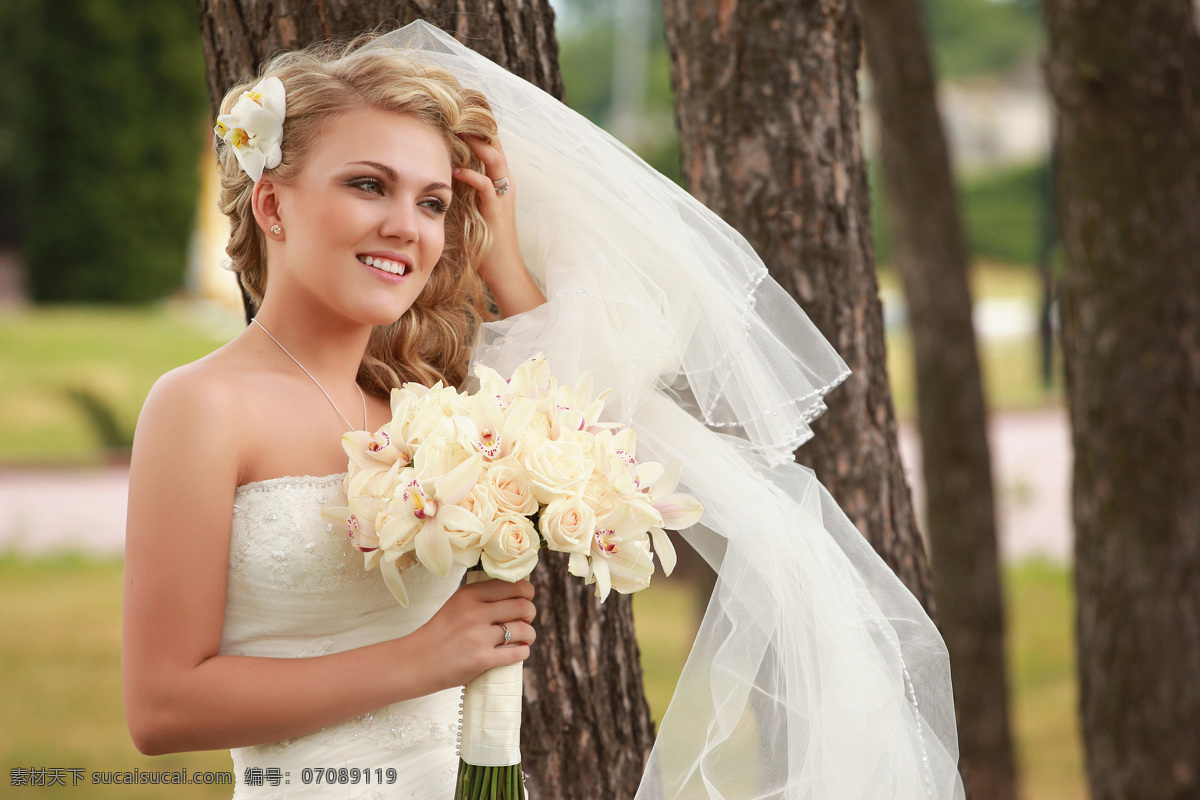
[(116, 354), (1011, 368), (60, 666), (60, 669), (1040, 609)]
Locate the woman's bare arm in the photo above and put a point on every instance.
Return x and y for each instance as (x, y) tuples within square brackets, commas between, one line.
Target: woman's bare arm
[(180, 694), (517, 291), (502, 268)]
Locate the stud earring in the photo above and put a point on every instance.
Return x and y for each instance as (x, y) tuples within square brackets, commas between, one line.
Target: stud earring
[(275, 229)]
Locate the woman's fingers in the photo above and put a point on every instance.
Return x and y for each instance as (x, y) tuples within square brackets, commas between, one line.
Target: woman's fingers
[(495, 167), (522, 633), (517, 608), (500, 589), (482, 184), (494, 162)]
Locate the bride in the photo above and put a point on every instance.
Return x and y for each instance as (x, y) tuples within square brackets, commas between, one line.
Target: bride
[(371, 201)]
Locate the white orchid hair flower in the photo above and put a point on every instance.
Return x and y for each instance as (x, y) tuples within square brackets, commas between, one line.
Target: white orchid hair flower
[(254, 127)]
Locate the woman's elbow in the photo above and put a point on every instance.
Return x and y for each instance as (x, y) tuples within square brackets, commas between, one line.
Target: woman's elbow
[(152, 726), (149, 737)]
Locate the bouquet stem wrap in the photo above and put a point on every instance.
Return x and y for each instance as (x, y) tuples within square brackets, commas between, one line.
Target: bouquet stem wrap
[(491, 728)]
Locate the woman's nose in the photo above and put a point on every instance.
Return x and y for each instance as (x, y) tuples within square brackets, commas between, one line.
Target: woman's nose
[(401, 223)]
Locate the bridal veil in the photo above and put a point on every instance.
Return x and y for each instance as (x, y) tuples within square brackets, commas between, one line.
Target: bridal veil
[(815, 673)]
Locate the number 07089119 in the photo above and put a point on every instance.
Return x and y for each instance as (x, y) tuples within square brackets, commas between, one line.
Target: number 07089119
[(378, 775)]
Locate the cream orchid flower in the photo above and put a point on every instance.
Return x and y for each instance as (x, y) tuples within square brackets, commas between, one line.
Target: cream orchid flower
[(494, 385), (676, 509), (424, 518), (254, 127), (531, 379), (499, 430), (619, 558), (572, 409), (358, 521), (378, 479)]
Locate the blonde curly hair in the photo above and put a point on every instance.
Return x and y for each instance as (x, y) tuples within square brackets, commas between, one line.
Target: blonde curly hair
[(431, 342)]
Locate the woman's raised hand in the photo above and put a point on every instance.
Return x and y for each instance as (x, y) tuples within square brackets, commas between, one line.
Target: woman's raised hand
[(464, 637), (502, 268)]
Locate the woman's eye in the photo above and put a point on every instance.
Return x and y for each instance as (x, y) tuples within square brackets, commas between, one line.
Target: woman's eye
[(436, 204), (368, 184)]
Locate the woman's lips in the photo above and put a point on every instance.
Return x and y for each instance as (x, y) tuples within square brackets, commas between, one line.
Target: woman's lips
[(384, 274), (397, 266)]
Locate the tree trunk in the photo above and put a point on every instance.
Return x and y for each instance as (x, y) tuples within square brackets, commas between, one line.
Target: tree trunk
[(1125, 80), (766, 103), (586, 728), (240, 34), (932, 259)]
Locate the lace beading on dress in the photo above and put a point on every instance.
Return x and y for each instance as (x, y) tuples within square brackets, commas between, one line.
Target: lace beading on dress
[(297, 589)]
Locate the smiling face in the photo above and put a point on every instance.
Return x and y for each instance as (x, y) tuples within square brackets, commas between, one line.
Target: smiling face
[(364, 221)]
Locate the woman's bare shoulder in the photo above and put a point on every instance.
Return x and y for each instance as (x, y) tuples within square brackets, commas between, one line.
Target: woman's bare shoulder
[(194, 408)]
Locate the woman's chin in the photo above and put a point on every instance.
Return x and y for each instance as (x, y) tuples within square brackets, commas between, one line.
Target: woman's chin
[(383, 316)]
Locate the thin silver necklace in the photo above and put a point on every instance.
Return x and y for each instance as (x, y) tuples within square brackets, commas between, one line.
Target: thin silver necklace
[(318, 383)]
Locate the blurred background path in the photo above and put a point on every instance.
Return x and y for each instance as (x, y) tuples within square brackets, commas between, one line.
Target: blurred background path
[(84, 509)]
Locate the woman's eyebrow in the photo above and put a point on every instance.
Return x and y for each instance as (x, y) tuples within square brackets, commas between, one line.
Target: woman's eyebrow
[(384, 168), (393, 176)]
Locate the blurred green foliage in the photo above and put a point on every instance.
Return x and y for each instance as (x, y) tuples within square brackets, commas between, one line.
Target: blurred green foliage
[(99, 147), (1001, 212), (587, 38), (974, 37)]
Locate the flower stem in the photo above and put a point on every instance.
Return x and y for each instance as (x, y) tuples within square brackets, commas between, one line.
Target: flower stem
[(489, 783)]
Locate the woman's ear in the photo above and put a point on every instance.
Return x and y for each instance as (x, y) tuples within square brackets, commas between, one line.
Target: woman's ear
[(265, 203)]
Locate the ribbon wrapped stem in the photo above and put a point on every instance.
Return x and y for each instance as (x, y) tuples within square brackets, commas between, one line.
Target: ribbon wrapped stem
[(490, 730)]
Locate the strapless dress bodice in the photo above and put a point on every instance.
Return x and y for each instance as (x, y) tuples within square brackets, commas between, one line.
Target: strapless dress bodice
[(298, 589)]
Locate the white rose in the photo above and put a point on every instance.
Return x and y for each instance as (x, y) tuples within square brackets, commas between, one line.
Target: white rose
[(437, 456), (480, 503), (526, 445), (568, 525), (511, 550), (558, 469), (539, 425), (429, 411), (510, 486), (585, 439), (601, 496)]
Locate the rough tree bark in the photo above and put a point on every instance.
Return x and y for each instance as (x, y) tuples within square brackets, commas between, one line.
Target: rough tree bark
[(931, 256), (1125, 80), (240, 34), (766, 103), (586, 728)]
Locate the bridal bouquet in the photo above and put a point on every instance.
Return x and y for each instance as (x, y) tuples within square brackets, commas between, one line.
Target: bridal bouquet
[(484, 481)]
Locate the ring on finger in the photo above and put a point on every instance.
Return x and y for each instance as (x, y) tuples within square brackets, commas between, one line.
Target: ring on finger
[(501, 185), (507, 633)]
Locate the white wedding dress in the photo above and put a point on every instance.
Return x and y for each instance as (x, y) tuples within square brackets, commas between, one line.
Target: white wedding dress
[(298, 589)]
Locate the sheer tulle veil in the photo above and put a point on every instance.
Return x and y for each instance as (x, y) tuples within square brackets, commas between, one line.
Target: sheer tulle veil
[(815, 674)]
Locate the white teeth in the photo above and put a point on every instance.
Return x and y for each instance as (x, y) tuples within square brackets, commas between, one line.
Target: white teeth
[(393, 267)]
